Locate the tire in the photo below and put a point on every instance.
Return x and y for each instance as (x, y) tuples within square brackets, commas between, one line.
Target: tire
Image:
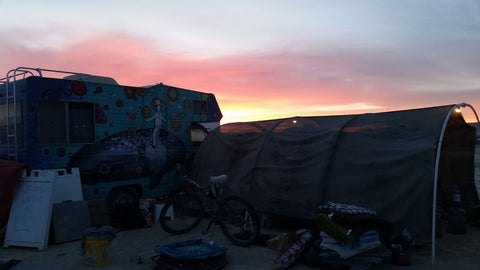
[(121, 197), (187, 213), (238, 221)]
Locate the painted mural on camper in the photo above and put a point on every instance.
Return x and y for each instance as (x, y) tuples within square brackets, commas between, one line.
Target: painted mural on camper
[(116, 135)]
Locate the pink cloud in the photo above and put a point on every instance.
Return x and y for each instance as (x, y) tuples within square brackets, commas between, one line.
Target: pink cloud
[(275, 82)]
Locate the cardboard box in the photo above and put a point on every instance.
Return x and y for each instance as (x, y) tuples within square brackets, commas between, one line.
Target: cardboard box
[(69, 220), (283, 241), (99, 214)]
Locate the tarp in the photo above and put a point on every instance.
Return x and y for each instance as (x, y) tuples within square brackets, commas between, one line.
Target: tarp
[(382, 161)]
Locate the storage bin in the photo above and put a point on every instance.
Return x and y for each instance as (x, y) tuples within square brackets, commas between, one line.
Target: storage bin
[(97, 252)]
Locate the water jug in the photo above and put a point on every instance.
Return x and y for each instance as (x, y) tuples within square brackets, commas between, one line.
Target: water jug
[(457, 219)]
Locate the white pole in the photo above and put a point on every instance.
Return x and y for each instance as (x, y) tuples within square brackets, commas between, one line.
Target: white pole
[(437, 162)]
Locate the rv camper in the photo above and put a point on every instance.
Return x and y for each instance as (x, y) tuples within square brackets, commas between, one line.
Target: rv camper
[(125, 140)]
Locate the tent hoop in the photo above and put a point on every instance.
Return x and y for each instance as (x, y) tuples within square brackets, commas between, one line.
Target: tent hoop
[(437, 163), (267, 135), (329, 165)]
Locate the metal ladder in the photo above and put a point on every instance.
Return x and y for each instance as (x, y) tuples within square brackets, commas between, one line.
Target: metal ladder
[(11, 103), (11, 109)]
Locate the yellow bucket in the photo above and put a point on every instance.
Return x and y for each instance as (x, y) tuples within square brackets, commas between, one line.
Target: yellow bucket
[(97, 252)]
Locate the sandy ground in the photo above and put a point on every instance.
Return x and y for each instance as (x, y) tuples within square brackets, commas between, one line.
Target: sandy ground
[(452, 252)]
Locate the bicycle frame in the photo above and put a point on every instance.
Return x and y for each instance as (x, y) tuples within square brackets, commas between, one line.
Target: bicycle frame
[(236, 218), (209, 198)]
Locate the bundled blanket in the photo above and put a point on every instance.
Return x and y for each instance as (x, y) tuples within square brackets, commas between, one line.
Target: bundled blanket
[(365, 242)]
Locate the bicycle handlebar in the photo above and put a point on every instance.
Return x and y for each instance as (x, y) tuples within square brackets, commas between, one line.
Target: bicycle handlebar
[(216, 182)]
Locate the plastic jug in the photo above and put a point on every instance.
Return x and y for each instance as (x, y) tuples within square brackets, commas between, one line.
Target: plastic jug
[(457, 219)]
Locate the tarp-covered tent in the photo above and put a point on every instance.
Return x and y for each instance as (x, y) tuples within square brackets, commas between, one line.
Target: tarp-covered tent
[(386, 162)]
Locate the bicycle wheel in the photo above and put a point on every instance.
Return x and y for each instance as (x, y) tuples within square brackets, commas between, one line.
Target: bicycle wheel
[(187, 213), (238, 221)]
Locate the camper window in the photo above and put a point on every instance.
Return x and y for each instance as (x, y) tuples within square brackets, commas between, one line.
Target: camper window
[(66, 122), (51, 122), (81, 126), (13, 117)]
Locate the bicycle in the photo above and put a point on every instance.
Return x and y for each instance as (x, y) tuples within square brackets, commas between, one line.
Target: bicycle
[(236, 217)]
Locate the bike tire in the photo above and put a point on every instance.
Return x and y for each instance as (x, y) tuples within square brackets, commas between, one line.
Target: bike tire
[(187, 213), (119, 199), (238, 220)]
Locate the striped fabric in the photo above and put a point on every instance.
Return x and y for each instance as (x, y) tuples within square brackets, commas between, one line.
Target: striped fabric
[(345, 209)]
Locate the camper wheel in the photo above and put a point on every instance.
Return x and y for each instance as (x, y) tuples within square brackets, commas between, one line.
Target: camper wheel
[(121, 198)]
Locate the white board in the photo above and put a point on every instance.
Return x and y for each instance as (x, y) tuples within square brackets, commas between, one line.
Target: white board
[(30, 214), (67, 187)]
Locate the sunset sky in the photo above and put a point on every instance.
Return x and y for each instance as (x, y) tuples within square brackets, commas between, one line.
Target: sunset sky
[(262, 59)]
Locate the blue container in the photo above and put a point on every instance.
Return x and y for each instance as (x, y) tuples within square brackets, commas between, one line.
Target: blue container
[(457, 221)]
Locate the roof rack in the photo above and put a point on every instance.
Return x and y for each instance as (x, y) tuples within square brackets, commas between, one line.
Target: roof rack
[(23, 72)]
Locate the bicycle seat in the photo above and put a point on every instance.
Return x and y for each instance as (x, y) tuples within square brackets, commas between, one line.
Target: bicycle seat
[(220, 179)]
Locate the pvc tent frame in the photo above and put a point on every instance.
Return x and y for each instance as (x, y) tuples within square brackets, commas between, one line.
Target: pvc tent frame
[(437, 163)]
